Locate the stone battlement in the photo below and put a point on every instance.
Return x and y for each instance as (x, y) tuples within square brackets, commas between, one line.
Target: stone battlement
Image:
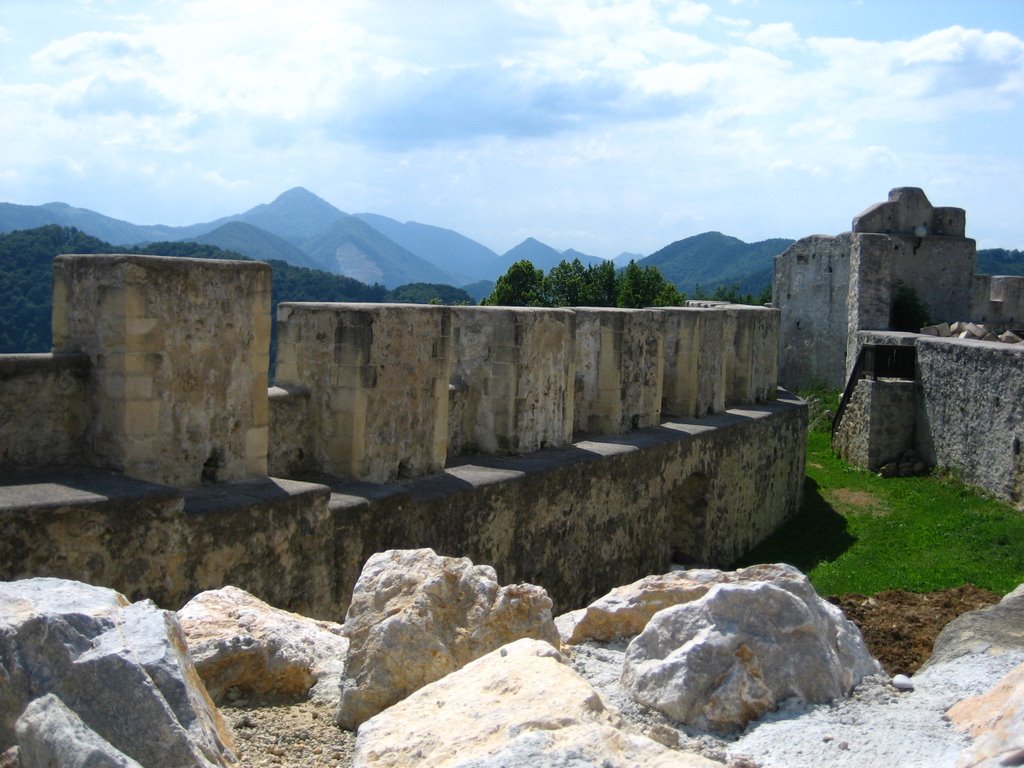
[(173, 384), (577, 449)]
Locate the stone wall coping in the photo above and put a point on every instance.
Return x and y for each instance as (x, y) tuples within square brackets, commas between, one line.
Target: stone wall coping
[(19, 364), (479, 470), (64, 486), (994, 346), (897, 338), (245, 494), (173, 262)]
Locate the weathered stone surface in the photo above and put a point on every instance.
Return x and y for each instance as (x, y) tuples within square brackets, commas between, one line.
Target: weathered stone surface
[(358, 362), (415, 617), (49, 734), (993, 629), (625, 611), (520, 705), (163, 407), (237, 640), (731, 656), (122, 668), (47, 392), (995, 720), (978, 434), (512, 379)]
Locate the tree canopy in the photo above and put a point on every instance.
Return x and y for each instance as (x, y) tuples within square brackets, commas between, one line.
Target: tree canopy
[(570, 284)]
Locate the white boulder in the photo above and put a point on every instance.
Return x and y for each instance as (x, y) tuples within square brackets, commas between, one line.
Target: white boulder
[(50, 734), (625, 611), (737, 652), (122, 668), (238, 641), (520, 705), (416, 616)]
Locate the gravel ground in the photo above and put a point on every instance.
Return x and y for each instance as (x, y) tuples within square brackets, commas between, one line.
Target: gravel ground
[(300, 734), (876, 726)]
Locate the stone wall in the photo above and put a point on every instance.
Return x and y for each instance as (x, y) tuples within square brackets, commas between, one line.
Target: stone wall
[(42, 408), (578, 520), (971, 411), (829, 288), (878, 425), (511, 379), (165, 406), (811, 286)]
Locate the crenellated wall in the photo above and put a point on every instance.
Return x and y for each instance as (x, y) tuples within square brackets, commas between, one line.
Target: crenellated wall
[(150, 455)]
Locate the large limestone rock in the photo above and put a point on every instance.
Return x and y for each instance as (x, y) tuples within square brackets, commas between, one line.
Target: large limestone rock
[(991, 629), (996, 721), (123, 669), (625, 611), (416, 616), (238, 641), (737, 652), (520, 705), (50, 734)]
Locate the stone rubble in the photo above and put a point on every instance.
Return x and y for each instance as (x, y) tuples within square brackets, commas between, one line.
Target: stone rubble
[(728, 648), (243, 648), (121, 667), (741, 650), (976, 331), (416, 616), (907, 464)]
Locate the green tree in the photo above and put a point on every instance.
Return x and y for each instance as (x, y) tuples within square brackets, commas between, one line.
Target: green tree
[(602, 285), (566, 284), (521, 286), (645, 287)]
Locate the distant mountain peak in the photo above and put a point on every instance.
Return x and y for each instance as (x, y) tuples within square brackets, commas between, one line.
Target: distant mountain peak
[(299, 195)]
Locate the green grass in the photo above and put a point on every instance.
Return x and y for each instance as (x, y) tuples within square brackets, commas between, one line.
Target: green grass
[(858, 532)]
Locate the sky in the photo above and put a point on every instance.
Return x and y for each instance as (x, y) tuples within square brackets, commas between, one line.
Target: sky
[(600, 125)]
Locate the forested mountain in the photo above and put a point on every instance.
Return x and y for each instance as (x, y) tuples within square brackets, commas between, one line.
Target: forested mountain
[(713, 259), (543, 256), (999, 261), (255, 243), (26, 280), (464, 258), (352, 247)]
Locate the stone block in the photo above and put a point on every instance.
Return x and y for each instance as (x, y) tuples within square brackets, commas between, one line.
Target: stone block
[(513, 376), (619, 369), (377, 376), (153, 331)]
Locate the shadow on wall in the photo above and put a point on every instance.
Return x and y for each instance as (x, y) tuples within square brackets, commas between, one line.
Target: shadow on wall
[(817, 534)]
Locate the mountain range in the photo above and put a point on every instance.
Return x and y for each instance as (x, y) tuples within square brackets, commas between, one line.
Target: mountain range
[(304, 230)]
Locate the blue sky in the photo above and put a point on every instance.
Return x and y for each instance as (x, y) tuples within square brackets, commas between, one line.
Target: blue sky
[(600, 125)]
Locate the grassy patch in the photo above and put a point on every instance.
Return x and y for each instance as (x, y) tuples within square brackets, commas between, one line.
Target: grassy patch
[(861, 533)]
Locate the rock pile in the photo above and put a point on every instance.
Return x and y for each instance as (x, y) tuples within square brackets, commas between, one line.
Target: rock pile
[(907, 464), (87, 678), (460, 671), (976, 331)]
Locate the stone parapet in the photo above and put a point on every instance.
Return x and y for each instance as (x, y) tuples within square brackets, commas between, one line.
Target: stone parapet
[(179, 353), (619, 369), (694, 361), (43, 413), (969, 411), (512, 377), (378, 378)]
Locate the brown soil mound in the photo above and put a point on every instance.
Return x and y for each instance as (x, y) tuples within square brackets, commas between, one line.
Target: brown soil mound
[(900, 627)]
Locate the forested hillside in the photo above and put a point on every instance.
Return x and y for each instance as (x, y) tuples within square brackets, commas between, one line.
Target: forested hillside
[(26, 280)]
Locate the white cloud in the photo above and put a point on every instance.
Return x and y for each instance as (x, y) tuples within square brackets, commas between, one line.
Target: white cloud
[(775, 36)]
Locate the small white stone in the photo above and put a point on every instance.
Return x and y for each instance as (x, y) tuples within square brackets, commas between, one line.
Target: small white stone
[(902, 683)]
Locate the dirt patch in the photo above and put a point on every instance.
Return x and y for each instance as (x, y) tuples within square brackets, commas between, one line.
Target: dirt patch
[(857, 500), (900, 627)]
